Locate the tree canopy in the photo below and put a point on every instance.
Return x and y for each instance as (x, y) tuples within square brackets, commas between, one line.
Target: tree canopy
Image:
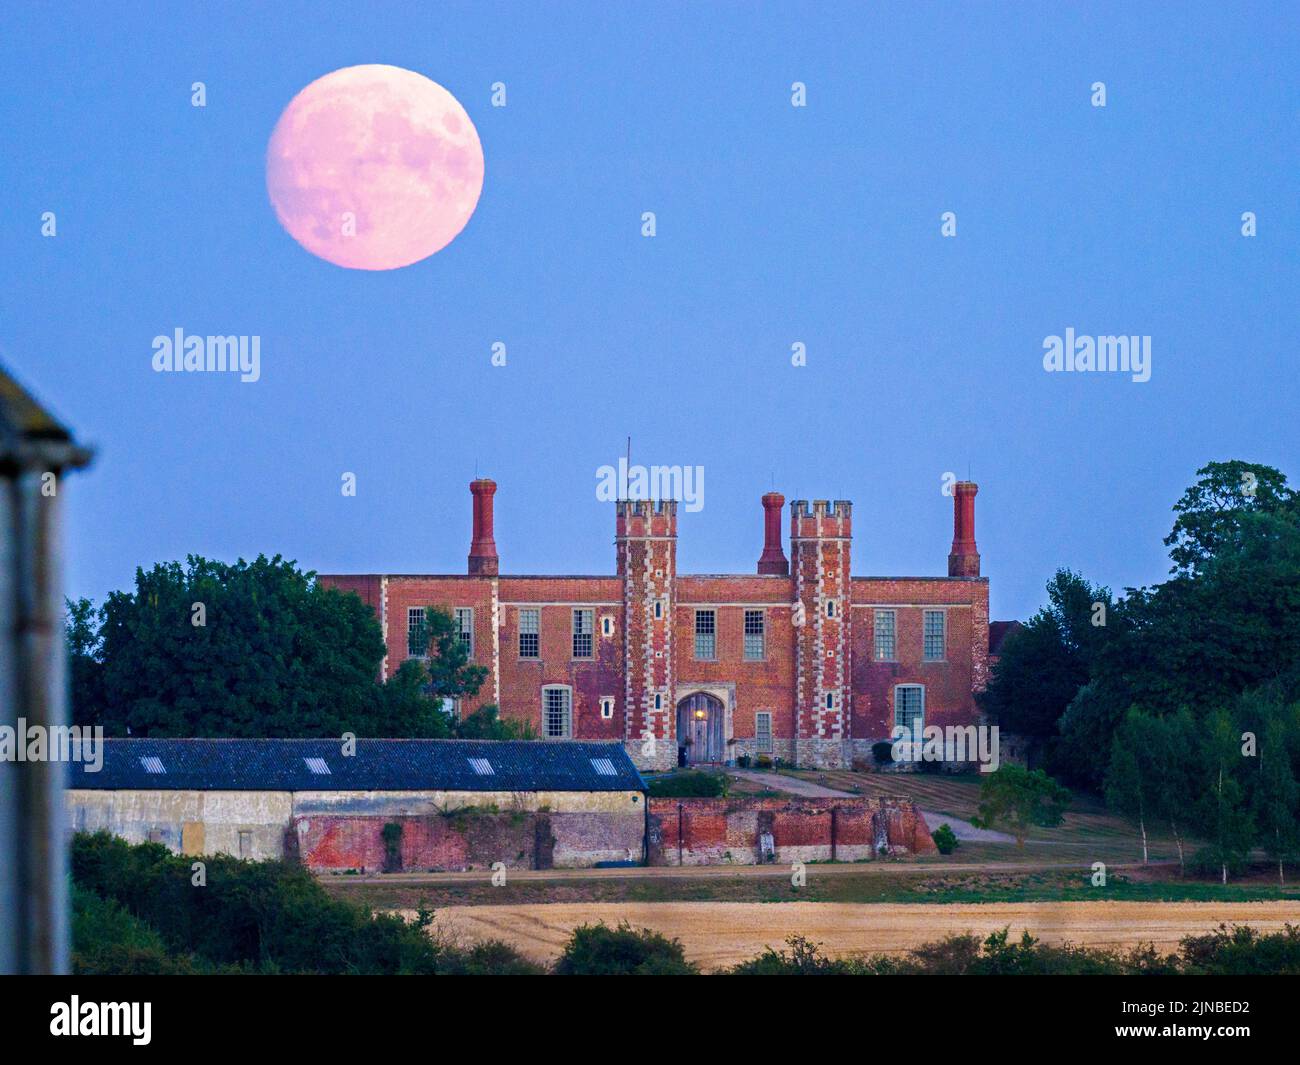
[(259, 648)]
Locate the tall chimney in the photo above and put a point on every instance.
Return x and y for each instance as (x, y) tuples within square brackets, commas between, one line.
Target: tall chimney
[(483, 549), (773, 558), (965, 558)]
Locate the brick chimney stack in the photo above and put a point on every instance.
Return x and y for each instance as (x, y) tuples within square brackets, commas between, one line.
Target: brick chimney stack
[(965, 558), (483, 559), (773, 558)]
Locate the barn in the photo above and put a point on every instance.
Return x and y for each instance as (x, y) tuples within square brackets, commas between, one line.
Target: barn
[(369, 805)]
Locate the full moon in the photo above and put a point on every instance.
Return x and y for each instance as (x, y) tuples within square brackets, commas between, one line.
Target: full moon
[(374, 167)]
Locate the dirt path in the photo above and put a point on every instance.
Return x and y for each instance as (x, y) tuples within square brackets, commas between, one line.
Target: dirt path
[(717, 934)]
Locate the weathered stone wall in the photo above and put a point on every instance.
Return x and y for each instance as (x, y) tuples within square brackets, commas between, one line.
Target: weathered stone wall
[(344, 830), (723, 831), (188, 822)]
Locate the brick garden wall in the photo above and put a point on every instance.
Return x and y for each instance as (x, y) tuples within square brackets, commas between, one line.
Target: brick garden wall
[(722, 831), (468, 839)]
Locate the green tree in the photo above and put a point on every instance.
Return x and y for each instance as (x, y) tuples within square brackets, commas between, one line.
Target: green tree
[(1276, 800), (1130, 778), (1222, 816), (1043, 665), (449, 674), (1016, 799), (1173, 740), (259, 648), (1210, 511), (85, 660)]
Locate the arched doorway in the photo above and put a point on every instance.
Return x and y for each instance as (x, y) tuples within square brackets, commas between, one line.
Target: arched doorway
[(699, 728)]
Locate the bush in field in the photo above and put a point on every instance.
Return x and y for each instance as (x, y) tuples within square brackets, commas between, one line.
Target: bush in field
[(598, 950), (945, 838)]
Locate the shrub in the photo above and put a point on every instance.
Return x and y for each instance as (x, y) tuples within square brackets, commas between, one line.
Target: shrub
[(598, 950), (882, 752), (763, 761), (803, 959), (1243, 952), (139, 911), (945, 839)]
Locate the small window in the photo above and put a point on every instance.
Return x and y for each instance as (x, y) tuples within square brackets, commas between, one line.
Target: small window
[(481, 766), (659, 609), (530, 633), (604, 767), (318, 766), (152, 764), (607, 707), (417, 636), (706, 634), (557, 713), (830, 700), (934, 636), (763, 731), (830, 608), (582, 633), (755, 635), (607, 625), (886, 635), (465, 628), (155, 835), (659, 701), (909, 710), (245, 843)]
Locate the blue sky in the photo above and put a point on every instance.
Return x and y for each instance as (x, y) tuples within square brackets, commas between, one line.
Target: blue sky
[(776, 225)]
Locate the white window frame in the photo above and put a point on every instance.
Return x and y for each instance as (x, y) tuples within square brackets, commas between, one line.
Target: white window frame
[(916, 733), (607, 707), (536, 632), (711, 635), (607, 625), (567, 698), (763, 732), (942, 635), (415, 619), (463, 614), (892, 635), (760, 635), (584, 616)]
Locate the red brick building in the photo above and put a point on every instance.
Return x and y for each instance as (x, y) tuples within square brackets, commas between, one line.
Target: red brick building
[(800, 660)]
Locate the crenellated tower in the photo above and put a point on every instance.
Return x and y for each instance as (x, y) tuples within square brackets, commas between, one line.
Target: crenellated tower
[(646, 541), (820, 539)]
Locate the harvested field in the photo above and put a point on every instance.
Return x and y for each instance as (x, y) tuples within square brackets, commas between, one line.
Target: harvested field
[(720, 934)]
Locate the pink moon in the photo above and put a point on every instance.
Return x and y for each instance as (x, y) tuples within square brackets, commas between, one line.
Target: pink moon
[(374, 167)]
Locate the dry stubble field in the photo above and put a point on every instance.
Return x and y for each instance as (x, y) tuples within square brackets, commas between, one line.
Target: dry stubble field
[(717, 934)]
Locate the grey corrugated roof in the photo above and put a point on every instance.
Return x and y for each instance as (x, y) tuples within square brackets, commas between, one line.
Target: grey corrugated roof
[(377, 765)]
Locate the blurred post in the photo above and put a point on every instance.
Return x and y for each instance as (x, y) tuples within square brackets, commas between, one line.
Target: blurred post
[(35, 452)]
